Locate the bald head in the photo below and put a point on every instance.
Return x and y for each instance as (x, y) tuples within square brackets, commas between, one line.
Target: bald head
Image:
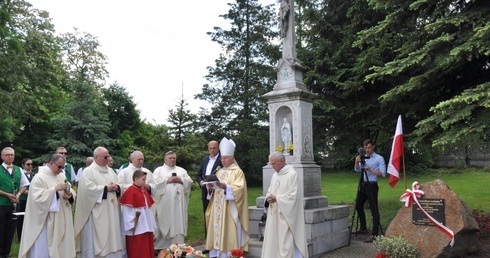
[(213, 148), (101, 155)]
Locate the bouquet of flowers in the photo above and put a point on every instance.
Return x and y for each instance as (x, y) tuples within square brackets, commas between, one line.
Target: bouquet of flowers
[(180, 250), (279, 148), (237, 253)]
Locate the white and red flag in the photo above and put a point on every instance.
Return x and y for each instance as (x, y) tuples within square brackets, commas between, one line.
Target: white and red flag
[(394, 167)]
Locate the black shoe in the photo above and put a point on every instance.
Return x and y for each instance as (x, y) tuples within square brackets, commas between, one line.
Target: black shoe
[(205, 251)]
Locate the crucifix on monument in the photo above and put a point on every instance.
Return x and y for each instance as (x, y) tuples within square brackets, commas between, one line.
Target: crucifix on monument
[(290, 70), (290, 101)]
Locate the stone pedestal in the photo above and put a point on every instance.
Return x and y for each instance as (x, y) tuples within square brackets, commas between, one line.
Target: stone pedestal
[(327, 226)]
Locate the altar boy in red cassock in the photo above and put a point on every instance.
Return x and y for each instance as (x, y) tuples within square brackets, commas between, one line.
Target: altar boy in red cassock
[(138, 219)]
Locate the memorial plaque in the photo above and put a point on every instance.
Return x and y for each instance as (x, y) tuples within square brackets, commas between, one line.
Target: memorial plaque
[(434, 207)]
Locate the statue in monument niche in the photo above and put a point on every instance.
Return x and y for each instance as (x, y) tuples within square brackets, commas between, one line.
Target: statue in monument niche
[(286, 135), (284, 17)]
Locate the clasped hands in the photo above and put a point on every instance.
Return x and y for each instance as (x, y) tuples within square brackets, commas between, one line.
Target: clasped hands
[(112, 187), (13, 198), (271, 198)]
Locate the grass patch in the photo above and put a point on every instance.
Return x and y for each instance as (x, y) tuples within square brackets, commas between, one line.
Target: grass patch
[(471, 186)]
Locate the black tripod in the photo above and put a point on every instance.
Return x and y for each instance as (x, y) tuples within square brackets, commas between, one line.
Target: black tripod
[(362, 186)]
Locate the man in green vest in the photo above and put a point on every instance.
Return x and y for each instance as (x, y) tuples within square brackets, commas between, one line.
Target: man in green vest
[(29, 172), (13, 183), (69, 171), (125, 165)]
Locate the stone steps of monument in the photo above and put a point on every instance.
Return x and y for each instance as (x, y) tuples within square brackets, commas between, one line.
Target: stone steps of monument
[(254, 248)]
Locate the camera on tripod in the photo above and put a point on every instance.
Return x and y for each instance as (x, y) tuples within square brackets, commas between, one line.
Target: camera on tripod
[(362, 154)]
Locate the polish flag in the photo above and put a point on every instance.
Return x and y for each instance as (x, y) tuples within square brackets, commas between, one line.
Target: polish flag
[(394, 167)]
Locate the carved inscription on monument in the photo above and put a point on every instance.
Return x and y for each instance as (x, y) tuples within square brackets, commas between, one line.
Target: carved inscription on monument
[(434, 207)]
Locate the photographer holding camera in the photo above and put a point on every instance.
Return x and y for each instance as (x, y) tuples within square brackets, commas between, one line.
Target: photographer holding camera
[(372, 166)]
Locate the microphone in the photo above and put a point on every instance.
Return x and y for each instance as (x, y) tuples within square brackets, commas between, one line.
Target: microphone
[(216, 170)]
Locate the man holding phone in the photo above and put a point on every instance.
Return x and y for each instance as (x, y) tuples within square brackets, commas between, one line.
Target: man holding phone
[(173, 187)]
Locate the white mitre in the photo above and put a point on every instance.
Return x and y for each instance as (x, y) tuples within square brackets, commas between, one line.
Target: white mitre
[(227, 147)]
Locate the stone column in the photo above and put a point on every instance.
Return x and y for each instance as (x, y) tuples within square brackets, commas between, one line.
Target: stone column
[(327, 226)]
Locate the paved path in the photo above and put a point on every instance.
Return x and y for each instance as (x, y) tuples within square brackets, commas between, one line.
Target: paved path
[(357, 248)]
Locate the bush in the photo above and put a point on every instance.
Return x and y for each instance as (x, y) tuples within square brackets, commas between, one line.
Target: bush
[(395, 247)]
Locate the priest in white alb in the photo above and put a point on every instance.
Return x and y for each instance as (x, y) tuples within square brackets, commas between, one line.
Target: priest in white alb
[(48, 225), (285, 233), (173, 188), (97, 226), (227, 215), (125, 176)]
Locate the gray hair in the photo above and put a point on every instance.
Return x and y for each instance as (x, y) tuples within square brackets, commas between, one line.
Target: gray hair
[(277, 156), (55, 157), (169, 153), (134, 153), (7, 148)]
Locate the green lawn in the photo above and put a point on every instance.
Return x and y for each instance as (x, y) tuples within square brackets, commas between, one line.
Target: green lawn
[(471, 186)]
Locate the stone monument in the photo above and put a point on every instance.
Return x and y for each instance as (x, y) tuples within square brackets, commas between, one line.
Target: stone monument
[(327, 226), (430, 240)]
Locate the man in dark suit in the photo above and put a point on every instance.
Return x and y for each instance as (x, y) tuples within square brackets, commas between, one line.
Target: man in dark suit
[(209, 165)]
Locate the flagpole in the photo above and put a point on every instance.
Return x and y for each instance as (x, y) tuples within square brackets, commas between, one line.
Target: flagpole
[(404, 174)]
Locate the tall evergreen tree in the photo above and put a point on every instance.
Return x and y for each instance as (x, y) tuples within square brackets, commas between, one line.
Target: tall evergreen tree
[(373, 60), (441, 65), (187, 142), (242, 73), (182, 120), (347, 111)]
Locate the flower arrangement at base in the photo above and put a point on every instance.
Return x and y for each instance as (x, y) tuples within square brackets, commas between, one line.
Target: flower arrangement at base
[(290, 147), (279, 148), (179, 251), (237, 253), (395, 247)]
